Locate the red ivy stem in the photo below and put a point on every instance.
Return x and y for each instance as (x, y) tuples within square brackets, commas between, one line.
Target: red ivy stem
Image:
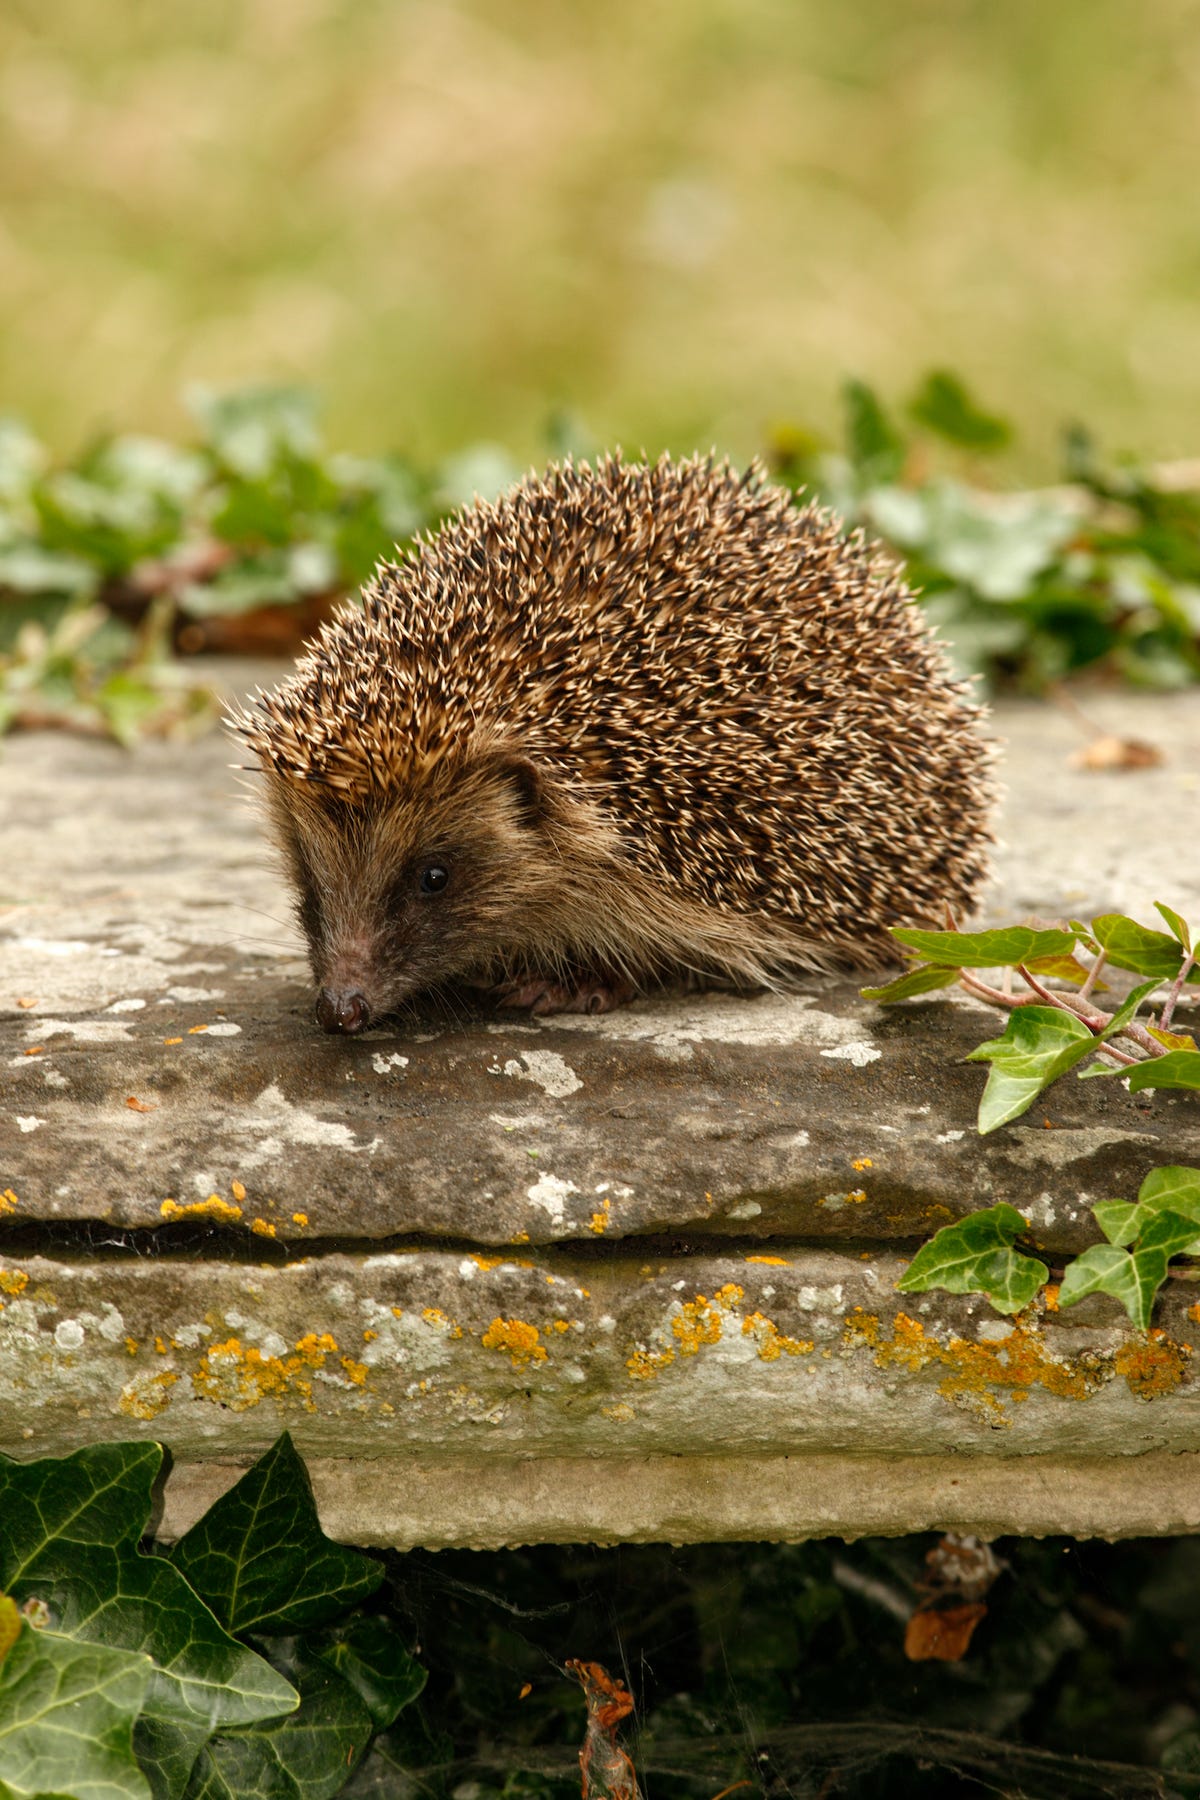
[(1174, 991)]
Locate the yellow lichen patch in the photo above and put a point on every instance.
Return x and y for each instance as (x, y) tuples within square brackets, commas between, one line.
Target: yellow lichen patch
[(519, 1237), (644, 1365), (977, 1373), (212, 1208), (773, 1343), (775, 1262), (194, 1030), (8, 1202), (239, 1378), (147, 1395), (487, 1262), (620, 1412), (397, 1312), (132, 1346), (13, 1282), (1193, 1313), (599, 1219), (1050, 1296), (263, 1227), (172, 1040), (356, 1371), (433, 1315), (1153, 1365), (699, 1320), (517, 1339), (300, 1219), (860, 1163), (160, 1347), (369, 1337), (562, 1324)]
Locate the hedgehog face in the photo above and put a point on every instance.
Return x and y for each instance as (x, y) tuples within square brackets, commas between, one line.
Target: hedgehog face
[(438, 880)]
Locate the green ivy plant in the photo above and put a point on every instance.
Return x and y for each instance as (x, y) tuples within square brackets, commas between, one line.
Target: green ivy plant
[(1056, 1022), (137, 545), (978, 1255), (240, 1665)]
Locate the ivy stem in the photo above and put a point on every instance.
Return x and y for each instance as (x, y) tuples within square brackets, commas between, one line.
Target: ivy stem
[(1093, 974), (1095, 1021), (1174, 991)]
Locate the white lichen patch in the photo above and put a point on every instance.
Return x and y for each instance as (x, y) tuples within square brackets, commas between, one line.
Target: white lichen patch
[(84, 1031), (28, 1121), (126, 1006), (547, 1070), (551, 1193), (745, 1209), (780, 1020), (192, 996), (1068, 1144), (858, 1054), (273, 1125), (388, 1065), (69, 1334), (222, 1028)]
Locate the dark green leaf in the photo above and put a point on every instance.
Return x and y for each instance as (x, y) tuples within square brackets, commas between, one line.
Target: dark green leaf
[(943, 405), (259, 1558), (1128, 1007), (307, 1756), (371, 1655), (1131, 1276), (69, 1531), (918, 981), (985, 949), (67, 1711)]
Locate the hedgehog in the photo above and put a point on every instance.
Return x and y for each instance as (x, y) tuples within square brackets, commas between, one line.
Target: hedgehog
[(630, 725)]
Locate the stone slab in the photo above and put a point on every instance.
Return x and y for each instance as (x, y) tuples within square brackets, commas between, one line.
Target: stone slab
[(170, 1056), (429, 1352), (216, 1222), (437, 1502)]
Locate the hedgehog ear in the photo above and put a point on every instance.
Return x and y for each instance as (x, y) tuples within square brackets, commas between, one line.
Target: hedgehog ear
[(526, 781)]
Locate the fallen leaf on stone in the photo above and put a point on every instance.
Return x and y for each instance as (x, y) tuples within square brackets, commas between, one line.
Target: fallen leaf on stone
[(1111, 752), (136, 1105), (608, 1774)]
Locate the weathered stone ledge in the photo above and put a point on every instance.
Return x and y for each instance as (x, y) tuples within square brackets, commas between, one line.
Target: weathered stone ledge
[(449, 1502), (616, 1278)]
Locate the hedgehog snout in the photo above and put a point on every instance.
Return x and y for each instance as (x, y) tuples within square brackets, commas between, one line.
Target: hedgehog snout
[(343, 1009)]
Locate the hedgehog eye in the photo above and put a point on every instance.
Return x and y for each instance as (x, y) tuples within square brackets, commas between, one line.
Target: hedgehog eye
[(434, 879)]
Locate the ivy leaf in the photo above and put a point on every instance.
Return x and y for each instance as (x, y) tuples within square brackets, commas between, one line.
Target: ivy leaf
[(1177, 1069), (1064, 968), (1172, 1040), (1039, 1044), (975, 1256), (307, 1756), (1131, 1276), (942, 404), (67, 1713), (986, 949), (259, 1558), (1117, 1219), (1178, 927), (69, 1531), (917, 981), (1133, 946), (370, 1654), (1128, 1007), (875, 446)]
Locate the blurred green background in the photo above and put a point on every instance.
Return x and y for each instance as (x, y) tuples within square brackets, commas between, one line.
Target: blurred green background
[(684, 220)]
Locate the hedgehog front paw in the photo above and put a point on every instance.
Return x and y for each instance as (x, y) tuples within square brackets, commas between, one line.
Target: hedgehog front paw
[(540, 996)]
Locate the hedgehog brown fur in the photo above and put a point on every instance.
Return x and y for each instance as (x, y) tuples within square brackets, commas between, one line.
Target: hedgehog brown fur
[(624, 724)]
